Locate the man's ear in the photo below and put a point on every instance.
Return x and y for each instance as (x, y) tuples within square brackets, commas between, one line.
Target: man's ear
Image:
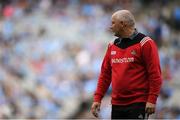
[(122, 24)]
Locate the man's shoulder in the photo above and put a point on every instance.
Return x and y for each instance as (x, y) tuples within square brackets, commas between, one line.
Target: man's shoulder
[(110, 43), (145, 39), (139, 37)]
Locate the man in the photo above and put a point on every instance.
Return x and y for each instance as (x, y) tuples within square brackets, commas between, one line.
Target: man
[(131, 63)]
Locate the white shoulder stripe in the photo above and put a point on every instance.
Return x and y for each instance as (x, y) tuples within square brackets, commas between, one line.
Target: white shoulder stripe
[(144, 40)]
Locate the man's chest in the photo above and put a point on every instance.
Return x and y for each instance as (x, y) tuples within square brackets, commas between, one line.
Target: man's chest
[(129, 55)]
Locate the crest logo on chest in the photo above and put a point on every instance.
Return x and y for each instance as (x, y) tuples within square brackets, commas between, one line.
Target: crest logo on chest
[(133, 52)]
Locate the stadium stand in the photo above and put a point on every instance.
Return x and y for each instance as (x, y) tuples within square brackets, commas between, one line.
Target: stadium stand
[(51, 52)]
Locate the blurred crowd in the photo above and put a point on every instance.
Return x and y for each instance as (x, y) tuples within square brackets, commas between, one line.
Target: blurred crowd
[(51, 53)]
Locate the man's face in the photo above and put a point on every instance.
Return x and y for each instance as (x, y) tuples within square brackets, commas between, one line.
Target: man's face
[(116, 26)]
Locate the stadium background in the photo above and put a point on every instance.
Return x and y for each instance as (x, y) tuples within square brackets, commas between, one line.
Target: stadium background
[(51, 52)]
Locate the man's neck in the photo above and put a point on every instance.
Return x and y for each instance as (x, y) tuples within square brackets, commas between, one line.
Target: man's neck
[(128, 33)]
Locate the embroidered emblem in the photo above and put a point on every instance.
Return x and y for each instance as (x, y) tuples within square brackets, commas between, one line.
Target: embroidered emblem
[(133, 52)]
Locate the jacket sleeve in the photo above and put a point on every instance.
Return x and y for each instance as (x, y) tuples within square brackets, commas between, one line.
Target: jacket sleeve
[(152, 64), (104, 79)]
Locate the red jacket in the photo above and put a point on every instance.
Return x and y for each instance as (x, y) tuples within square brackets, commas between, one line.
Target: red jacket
[(132, 65)]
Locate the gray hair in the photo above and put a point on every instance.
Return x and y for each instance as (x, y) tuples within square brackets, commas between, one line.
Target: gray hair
[(125, 16)]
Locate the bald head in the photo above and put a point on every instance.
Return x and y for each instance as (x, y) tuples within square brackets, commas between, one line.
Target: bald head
[(124, 16)]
